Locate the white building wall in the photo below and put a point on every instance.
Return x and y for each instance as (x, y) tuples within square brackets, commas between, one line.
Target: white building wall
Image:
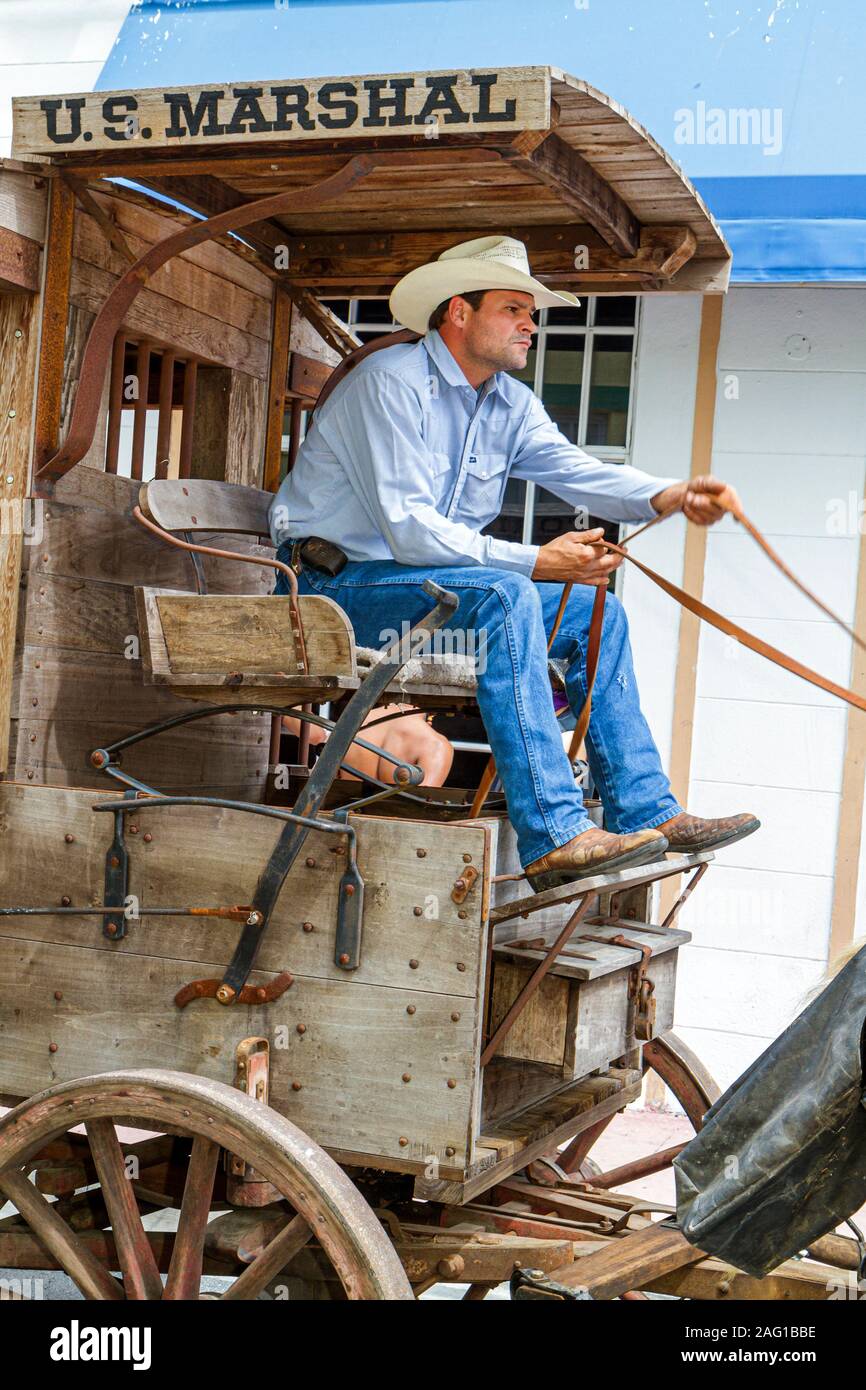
[(790, 435), (662, 416), (52, 46)]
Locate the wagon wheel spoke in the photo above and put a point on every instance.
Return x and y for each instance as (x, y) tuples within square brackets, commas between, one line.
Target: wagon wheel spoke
[(274, 1257), (52, 1231), (211, 1118), (184, 1272), (141, 1278)]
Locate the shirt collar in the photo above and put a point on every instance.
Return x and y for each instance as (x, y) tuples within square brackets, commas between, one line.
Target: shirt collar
[(450, 369)]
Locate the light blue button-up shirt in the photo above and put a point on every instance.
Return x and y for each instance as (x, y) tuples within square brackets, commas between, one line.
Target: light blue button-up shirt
[(407, 461)]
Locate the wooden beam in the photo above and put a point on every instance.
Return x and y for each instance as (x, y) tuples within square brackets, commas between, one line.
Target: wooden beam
[(19, 319), (307, 376), (631, 1262), (109, 229), (284, 160), (142, 372), (115, 403), (19, 261), (277, 381), (562, 169), (55, 312), (847, 863), (163, 433), (327, 325), (345, 261)]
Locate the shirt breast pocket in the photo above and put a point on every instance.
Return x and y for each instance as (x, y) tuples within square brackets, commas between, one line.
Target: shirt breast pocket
[(486, 476)]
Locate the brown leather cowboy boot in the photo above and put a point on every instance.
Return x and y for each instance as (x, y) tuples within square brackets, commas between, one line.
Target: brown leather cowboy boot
[(688, 834), (594, 852)]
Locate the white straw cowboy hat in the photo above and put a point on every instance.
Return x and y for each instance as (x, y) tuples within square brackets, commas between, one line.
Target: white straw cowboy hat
[(487, 263)]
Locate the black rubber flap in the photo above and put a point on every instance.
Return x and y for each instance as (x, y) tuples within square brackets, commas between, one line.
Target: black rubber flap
[(781, 1158)]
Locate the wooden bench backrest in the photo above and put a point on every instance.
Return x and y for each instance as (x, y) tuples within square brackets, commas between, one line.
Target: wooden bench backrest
[(197, 504)]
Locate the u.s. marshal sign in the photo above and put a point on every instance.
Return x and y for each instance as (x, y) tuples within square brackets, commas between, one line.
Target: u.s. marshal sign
[(426, 103)]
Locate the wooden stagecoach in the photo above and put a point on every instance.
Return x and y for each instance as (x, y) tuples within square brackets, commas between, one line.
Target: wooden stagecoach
[(339, 1019)]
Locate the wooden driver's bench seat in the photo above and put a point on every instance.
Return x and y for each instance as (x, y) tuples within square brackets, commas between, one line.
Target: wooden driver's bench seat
[(244, 648)]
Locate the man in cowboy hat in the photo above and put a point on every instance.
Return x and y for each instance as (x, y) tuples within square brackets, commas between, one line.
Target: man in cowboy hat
[(406, 462)]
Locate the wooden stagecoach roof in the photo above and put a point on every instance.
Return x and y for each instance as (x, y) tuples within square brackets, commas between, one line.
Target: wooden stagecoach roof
[(531, 152)]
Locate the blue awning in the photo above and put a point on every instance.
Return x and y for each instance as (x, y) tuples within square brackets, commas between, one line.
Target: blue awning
[(761, 102)]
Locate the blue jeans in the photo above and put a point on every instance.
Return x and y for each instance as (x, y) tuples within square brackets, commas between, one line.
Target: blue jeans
[(510, 616)]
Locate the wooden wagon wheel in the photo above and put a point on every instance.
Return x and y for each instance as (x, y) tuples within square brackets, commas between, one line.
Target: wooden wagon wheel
[(327, 1206), (692, 1085)]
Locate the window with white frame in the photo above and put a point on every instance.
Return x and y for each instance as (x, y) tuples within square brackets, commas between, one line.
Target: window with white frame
[(582, 366)]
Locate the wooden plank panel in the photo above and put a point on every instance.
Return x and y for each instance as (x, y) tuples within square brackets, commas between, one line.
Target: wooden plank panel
[(207, 856), (19, 328), (203, 761), (23, 203), (73, 685), (154, 222), (180, 280), (540, 1030), (511, 99), (117, 1010), (82, 541), (80, 613), (170, 323), (20, 261), (246, 430)]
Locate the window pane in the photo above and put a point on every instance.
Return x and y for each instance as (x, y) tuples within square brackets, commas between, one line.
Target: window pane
[(563, 372), (615, 311), (372, 311), (555, 317), (340, 307), (608, 392)]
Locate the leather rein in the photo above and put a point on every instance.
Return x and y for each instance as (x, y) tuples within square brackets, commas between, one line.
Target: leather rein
[(688, 601)]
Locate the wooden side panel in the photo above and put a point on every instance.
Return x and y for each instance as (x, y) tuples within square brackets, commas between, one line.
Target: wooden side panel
[(205, 856), (79, 680), (117, 1011), (380, 1063), (539, 1035)]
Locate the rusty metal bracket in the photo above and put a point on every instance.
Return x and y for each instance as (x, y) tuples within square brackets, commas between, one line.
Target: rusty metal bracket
[(464, 884), (245, 1186), (685, 894), (250, 994)]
